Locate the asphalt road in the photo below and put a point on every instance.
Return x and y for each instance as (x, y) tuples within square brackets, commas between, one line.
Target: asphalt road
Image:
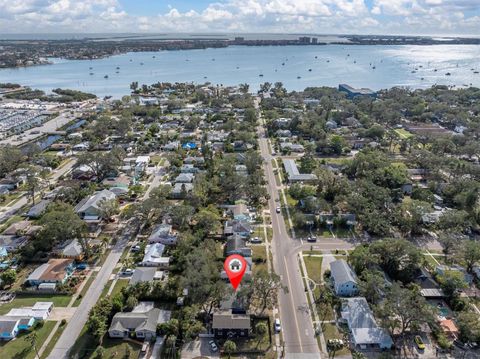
[(79, 318), (297, 327)]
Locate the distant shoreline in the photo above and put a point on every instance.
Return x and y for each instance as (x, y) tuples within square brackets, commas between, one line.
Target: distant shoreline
[(21, 53)]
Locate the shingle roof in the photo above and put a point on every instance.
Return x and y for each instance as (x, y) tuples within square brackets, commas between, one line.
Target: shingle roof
[(226, 320), (142, 274), (341, 272)]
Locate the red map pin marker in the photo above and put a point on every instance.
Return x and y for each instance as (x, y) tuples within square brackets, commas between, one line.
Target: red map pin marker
[(235, 266)]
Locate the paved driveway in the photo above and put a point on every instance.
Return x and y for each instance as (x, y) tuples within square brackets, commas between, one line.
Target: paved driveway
[(59, 313), (198, 349)]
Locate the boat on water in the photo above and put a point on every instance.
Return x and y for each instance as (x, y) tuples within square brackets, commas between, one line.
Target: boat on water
[(141, 63), (92, 68), (299, 77), (414, 72), (105, 77), (328, 60), (316, 57), (91, 73), (283, 63), (374, 67), (309, 70), (117, 72), (448, 74), (261, 75), (475, 72), (118, 68), (435, 70), (153, 56), (354, 61)]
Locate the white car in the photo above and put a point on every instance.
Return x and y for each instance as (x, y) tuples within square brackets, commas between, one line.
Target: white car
[(278, 209), (277, 325), (255, 240), (213, 346)]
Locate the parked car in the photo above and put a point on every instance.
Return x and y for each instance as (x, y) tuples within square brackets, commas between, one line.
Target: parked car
[(135, 248), (127, 272), (277, 325), (312, 239), (419, 342), (255, 240), (213, 346)]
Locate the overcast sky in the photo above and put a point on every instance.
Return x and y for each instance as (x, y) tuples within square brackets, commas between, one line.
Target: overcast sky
[(442, 17)]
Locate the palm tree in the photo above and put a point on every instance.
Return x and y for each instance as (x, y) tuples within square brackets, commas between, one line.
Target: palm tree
[(244, 88), (32, 339)]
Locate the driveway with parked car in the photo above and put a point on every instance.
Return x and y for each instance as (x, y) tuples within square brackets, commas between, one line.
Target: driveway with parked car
[(200, 348)]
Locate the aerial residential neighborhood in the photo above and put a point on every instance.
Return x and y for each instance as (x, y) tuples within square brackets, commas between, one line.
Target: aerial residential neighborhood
[(358, 238)]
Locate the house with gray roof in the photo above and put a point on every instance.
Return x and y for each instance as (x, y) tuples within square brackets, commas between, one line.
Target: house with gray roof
[(365, 332), (237, 245), (293, 173), (90, 208), (146, 274), (235, 227), (228, 325), (164, 234), (344, 280), (180, 190), (140, 323)]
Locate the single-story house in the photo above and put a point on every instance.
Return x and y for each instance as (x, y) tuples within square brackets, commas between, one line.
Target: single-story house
[(70, 249), (55, 271), (365, 333), (154, 256), (140, 323), (294, 175), (11, 325), (146, 274), (40, 208), (39, 311), (345, 281), (163, 233), (90, 208), (228, 325)]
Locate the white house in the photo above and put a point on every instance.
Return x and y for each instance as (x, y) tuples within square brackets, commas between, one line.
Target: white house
[(154, 256), (344, 279)]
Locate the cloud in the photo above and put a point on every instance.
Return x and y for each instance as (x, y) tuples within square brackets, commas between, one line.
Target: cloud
[(322, 16)]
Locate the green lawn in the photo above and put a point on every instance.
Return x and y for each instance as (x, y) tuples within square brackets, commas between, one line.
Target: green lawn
[(20, 348), (85, 346), (52, 342), (121, 283), (29, 300), (314, 268), (259, 257), (402, 133)]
